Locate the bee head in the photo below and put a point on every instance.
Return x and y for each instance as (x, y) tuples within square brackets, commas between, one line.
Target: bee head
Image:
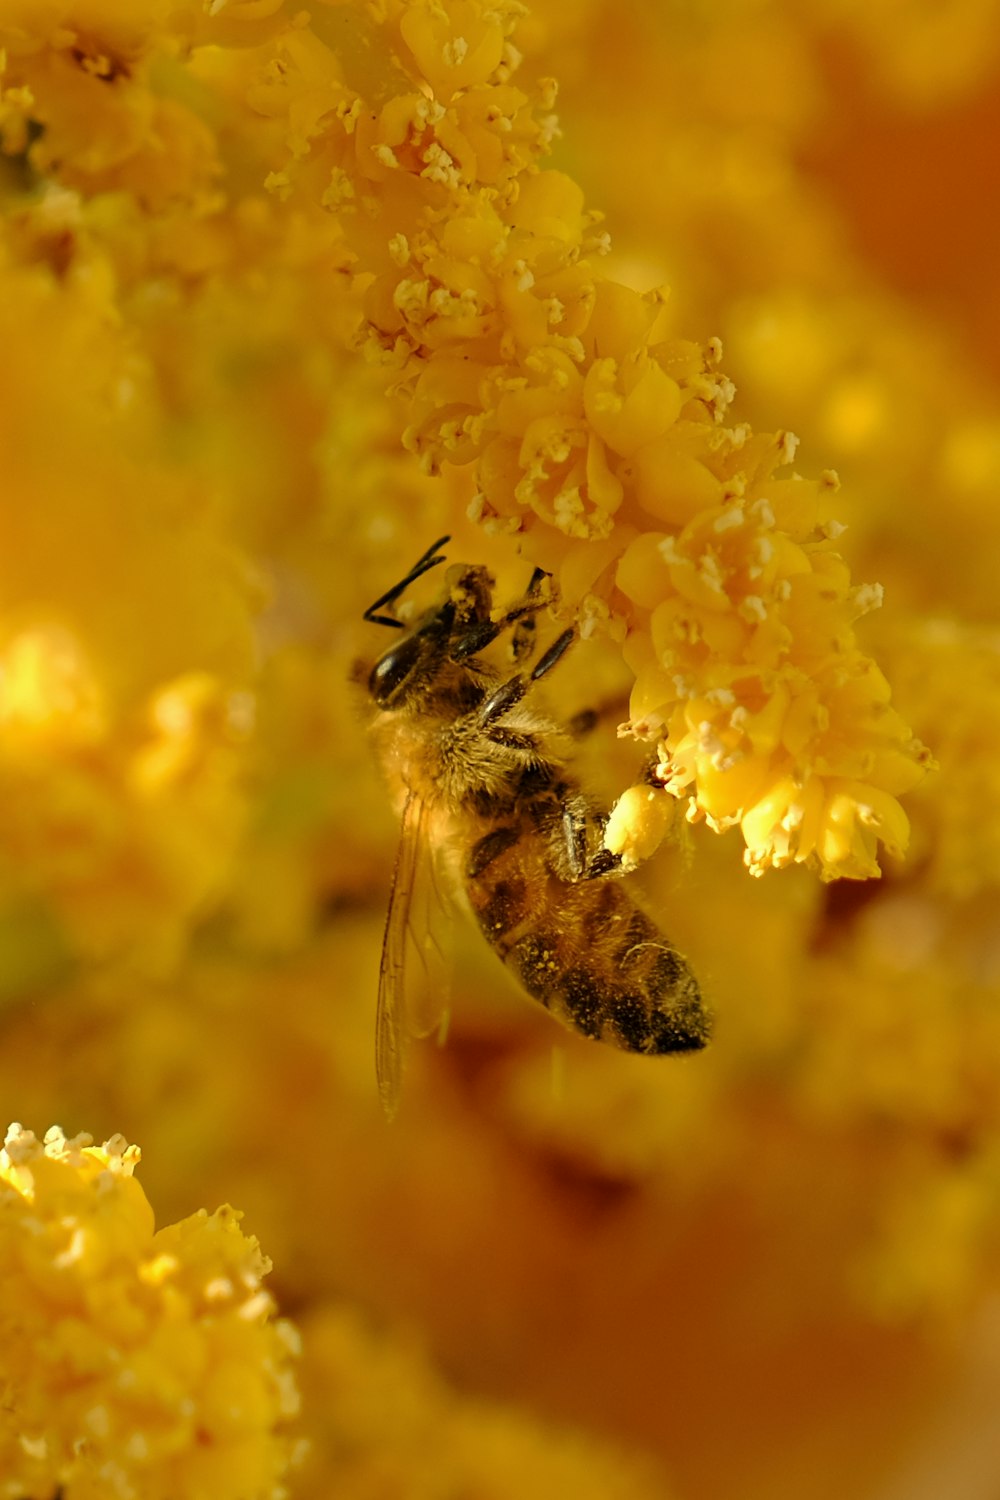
[(449, 631), (401, 671)]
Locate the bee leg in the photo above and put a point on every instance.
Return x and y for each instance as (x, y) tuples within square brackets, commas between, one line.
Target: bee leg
[(521, 616), (524, 636), (559, 646), (574, 828), (509, 693), (500, 701), (603, 863), (587, 720), (583, 723), (580, 829)]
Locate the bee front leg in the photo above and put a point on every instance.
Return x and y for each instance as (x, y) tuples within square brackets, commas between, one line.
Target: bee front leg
[(509, 693), (519, 619), (501, 701), (524, 635)]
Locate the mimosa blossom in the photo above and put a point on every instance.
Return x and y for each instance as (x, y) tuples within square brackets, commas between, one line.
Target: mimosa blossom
[(601, 439), (136, 1363), (413, 162)]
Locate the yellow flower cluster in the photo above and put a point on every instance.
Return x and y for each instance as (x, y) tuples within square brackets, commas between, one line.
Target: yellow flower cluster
[(722, 111), (599, 436), (403, 167), (133, 1363)]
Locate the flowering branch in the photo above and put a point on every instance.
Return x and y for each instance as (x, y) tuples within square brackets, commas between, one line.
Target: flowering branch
[(599, 436)]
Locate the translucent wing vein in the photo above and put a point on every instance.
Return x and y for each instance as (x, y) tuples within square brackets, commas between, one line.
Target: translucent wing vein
[(391, 1021)]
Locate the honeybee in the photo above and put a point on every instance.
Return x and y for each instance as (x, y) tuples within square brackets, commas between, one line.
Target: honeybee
[(483, 780)]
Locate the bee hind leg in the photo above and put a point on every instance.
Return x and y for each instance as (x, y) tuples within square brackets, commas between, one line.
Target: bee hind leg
[(603, 863), (581, 828)]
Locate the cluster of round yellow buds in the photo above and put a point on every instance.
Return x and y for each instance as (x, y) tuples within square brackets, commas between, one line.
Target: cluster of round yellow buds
[(137, 1364), (749, 673), (601, 438)]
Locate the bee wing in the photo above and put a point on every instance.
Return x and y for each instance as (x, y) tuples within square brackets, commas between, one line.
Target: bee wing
[(431, 928), (412, 998), (390, 1029)]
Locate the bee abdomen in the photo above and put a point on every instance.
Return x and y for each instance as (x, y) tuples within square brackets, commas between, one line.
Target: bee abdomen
[(627, 986), (488, 849), (651, 1014), (583, 948)]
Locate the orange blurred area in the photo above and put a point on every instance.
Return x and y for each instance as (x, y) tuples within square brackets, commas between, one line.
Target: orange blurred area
[(917, 182)]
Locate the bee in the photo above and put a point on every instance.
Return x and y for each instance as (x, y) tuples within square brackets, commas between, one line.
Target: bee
[(483, 778)]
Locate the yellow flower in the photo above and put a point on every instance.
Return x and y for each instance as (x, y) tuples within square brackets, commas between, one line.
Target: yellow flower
[(598, 436), (131, 1362), (101, 80)]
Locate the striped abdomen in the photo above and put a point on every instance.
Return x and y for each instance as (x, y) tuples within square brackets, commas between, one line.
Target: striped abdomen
[(583, 948)]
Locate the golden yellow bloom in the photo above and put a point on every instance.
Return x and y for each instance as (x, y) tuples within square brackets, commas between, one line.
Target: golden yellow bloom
[(595, 432), (599, 437), (157, 819), (136, 1363)]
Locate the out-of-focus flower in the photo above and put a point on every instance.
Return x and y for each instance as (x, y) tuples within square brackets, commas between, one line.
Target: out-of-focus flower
[(392, 1425), (134, 1363)]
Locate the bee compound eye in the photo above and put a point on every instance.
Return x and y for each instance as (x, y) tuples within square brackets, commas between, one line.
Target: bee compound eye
[(391, 670)]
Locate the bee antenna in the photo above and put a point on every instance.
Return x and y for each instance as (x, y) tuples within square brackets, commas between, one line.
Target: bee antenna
[(430, 559)]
